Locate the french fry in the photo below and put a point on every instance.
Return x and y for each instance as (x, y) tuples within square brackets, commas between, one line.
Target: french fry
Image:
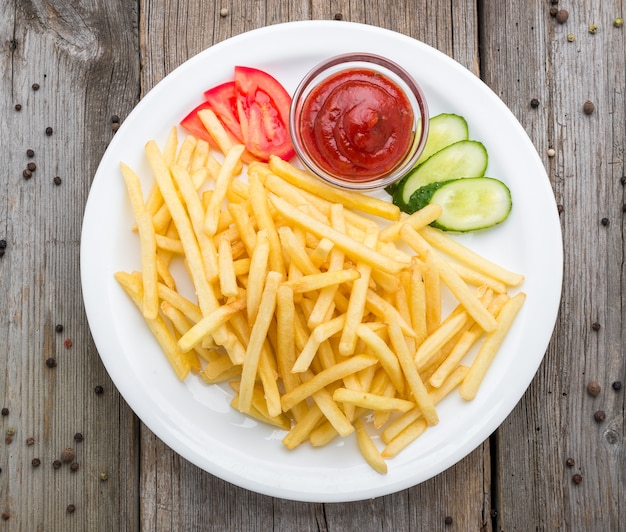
[(418, 390), (417, 220), (351, 247), (456, 285), (350, 199), (257, 338), (232, 159), (319, 334), (358, 298), (226, 269), (457, 250), (368, 449), (209, 323), (318, 281), (259, 265), (261, 209), (324, 378), (487, 352), (371, 401)]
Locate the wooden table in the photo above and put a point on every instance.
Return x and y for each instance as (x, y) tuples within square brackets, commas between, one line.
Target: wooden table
[(68, 67)]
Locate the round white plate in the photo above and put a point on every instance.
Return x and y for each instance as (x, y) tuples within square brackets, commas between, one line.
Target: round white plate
[(196, 420)]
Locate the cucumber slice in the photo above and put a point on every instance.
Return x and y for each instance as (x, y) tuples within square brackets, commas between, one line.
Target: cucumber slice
[(443, 129), (468, 204), (465, 158)]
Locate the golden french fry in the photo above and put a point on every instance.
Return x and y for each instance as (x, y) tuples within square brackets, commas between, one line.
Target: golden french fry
[(259, 265), (159, 329), (351, 247), (227, 170), (261, 209), (417, 220), (319, 334), (439, 337), (317, 281), (324, 378), (301, 430), (443, 242), (358, 298), (257, 339), (452, 280), (488, 350), (407, 436), (209, 323), (354, 200), (371, 401), (418, 390), (204, 291), (226, 269), (368, 449), (387, 358)]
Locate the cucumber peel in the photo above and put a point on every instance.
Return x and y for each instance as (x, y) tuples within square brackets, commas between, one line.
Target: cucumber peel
[(465, 158), (468, 204)]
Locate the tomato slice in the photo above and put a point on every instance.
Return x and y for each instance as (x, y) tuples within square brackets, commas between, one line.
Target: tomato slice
[(194, 126), (263, 110), (223, 101)]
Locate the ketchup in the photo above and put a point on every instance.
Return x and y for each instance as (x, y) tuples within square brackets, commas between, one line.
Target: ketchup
[(357, 124)]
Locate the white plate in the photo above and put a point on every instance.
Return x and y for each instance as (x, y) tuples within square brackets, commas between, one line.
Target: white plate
[(196, 421)]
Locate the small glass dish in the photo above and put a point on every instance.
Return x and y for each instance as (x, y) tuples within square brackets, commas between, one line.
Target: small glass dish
[(308, 132)]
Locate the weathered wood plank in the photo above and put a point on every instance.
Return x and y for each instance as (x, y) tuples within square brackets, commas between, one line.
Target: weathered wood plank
[(554, 421), (84, 60)]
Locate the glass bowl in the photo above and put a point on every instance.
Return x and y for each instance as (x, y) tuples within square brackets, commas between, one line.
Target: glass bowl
[(359, 121)]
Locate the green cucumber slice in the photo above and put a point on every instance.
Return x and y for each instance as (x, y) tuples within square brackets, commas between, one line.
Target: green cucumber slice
[(465, 158), (468, 204), (443, 129)]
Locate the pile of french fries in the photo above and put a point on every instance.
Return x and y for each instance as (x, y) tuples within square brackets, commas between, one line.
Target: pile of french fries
[(323, 309)]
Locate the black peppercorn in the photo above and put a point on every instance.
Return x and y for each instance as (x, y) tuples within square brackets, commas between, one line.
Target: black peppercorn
[(18, 106), (51, 362), (115, 119), (71, 508), (338, 16), (605, 222), (78, 437), (27, 174), (5, 515), (35, 86), (599, 416), (56, 464), (569, 462), (448, 520), (534, 103), (617, 386), (5, 411), (36, 462), (3, 244), (595, 326), (30, 153), (30, 441), (74, 467), (49, 131), (31, 166), (99, 390), (553, 11), (577, 478), (57, 180), (58, 328)]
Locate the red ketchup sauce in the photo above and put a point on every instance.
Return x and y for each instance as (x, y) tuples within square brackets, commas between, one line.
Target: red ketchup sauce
[(357, 124)]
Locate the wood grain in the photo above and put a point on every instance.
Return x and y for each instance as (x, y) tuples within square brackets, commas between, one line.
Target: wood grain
[(93, 60)]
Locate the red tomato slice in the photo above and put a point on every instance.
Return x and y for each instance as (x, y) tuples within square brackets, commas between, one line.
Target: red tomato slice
[(223, 101), (263, 110), (194, 126)]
